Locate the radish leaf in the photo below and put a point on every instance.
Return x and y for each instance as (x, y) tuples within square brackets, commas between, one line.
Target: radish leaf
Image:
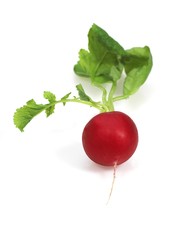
[(52, 99), (138, 65), (103, 55), (82, 94), (25, 114), (82, 68), (64, 98), (49, 96)]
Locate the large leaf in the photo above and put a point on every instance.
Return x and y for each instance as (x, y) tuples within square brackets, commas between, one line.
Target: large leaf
[(103, 56), (137, 64)]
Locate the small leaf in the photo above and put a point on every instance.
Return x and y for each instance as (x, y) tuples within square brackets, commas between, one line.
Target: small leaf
[(82, 68), (52, 99), (65, 97), (49, 96), (83, 96), (25, 114)]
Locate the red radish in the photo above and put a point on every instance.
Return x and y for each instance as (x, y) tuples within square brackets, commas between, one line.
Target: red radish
[(110, 138)]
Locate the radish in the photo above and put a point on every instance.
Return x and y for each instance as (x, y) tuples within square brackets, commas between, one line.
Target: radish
[(110, 138)]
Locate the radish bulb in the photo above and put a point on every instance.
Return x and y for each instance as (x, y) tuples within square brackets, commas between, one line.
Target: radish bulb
[(110, 138)]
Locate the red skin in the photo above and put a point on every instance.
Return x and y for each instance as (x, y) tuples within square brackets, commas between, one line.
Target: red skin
[(110, 138)]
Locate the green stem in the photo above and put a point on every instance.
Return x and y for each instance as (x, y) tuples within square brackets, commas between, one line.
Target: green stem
[(104, 93), (118, 98), (101, 107), (110, 97)]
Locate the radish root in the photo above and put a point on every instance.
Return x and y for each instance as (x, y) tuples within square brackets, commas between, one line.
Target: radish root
[(113, 181)]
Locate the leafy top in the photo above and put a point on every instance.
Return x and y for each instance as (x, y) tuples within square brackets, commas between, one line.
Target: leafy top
[(103, 62)]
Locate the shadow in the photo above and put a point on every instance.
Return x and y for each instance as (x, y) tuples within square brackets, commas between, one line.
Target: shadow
[(74, 156)]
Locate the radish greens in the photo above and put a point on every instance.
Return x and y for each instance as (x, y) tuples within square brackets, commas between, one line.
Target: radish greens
[(105, 62)]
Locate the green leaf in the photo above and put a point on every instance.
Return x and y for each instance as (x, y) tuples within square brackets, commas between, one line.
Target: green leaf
[(115, 73), (25, 114), (49, 96), (82, 68), (100, 42), (65, 97), (137, 64), (103, 56), (82, 95), (52, 99)]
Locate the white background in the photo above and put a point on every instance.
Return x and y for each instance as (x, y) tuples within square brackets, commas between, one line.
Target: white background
[(49, 189)]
